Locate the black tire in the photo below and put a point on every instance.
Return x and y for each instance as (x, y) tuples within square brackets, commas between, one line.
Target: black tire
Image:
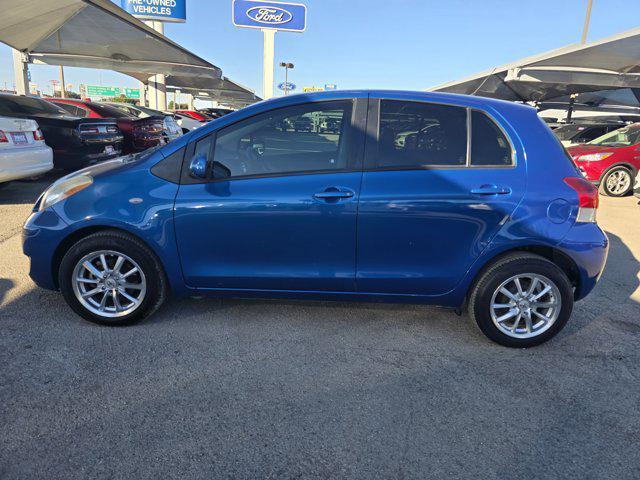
[(500, 271), (606, 190), (156, 283)]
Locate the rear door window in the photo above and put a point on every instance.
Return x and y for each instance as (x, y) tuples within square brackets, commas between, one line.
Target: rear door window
[(421, 135)]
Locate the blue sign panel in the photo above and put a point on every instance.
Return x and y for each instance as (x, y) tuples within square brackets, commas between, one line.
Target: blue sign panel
[(330, 86), (286, 86), (159, 10), (291, 17)]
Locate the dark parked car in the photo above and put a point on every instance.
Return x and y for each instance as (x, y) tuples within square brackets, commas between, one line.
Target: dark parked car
[(171, 128), (482, 209), (76, 142), (139, 133), (303, 124), (579, 133), (216, 112)]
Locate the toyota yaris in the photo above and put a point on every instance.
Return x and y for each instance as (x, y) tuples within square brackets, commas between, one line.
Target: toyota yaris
[(477, 206)]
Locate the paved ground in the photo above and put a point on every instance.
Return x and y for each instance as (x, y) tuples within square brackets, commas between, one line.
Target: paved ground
[(253, 389)]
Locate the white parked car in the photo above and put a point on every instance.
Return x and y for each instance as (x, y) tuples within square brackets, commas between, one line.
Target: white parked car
[(186, 123), (636, 187), (23, 153)]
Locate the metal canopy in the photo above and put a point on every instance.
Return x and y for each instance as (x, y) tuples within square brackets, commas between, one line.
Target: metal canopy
[(95, 34), (223, 91), (607, 64)]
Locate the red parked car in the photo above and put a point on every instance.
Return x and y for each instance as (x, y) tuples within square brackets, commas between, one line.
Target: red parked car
[(139, 133), (200, 117), (611, 161)]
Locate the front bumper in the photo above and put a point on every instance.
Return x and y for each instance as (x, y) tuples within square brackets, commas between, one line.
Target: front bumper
[(41, 235)]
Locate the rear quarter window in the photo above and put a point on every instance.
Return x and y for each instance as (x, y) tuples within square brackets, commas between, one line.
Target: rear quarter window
[(489, 144)]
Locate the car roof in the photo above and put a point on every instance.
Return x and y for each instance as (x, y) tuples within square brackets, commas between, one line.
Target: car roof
[(418, 96)]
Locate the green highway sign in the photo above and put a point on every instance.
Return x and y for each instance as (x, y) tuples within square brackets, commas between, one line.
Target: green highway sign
[(100, 91), (132, 92)]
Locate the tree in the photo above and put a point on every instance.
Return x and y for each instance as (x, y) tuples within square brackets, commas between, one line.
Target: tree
[(67, 94)]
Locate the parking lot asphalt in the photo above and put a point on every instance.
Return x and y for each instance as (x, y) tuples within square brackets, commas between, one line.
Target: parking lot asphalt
[(275, 389)]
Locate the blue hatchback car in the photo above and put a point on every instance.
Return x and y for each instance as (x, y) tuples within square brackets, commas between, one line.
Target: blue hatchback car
[(382, 196)]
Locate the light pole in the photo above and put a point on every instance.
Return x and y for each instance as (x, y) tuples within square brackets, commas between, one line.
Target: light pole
[(587, 18), (286, 66)]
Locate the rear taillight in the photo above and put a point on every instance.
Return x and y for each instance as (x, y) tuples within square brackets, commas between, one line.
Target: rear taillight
[(149, 128), (90, 130), (37, 134), (3, 137), (587, 198)]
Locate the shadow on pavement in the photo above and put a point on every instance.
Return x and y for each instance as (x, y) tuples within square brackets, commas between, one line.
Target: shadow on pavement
[(27, 191)]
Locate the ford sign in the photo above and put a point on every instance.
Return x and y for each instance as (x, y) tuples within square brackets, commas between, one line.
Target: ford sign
[(269, 15), (290, 17), (286, 86)]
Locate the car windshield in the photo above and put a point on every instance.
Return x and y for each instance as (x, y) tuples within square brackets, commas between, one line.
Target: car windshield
[(623, 137), (567, 132), (11, 104), (149, 111), (108, 111)]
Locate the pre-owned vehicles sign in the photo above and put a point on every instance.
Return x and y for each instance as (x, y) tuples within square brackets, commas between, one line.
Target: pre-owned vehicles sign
[(161, 10)]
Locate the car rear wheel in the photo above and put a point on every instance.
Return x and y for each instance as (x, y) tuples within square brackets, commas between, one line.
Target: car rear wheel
[(617, 182), (522, 300), (112, 278)]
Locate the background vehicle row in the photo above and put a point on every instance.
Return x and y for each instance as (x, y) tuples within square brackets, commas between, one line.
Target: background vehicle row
[(76, 142), (139, 133)]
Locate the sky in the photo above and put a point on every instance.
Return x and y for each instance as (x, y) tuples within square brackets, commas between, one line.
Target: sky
[(391, 44)]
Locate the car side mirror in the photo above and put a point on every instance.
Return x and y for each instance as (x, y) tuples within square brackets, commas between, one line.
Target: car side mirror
[(220, 170), (198, 166)]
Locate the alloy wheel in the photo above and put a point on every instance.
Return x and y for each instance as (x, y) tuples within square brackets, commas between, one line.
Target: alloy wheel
[(525, 305), (109, 284), (618, 182)]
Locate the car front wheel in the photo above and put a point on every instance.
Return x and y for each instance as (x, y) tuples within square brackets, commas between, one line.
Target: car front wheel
[(112, 278), (617, 182), (522, 300)]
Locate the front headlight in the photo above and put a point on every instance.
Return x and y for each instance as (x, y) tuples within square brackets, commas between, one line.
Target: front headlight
[(64, 188), (594, 157)]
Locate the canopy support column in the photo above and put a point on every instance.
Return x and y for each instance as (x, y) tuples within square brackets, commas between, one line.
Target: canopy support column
[(21, 72), (157, 83)]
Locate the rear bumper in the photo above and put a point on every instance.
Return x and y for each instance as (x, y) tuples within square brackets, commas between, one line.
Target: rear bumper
[(588, 246), (16, 163), (86, 154)]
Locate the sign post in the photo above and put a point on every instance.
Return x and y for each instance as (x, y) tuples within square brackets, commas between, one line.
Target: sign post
[(269, 36), (154, 13), (269, 17)]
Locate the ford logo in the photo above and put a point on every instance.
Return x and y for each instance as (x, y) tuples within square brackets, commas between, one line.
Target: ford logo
[(269, 15)]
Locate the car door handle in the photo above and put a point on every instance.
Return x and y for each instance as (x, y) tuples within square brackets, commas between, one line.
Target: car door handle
[(491, 190), (333, 193)]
